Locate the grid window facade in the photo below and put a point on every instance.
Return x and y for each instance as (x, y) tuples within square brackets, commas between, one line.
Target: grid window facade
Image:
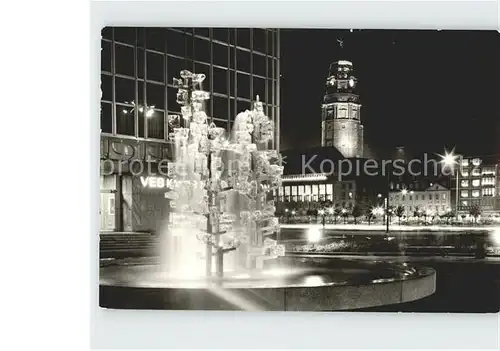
[(138, 66)]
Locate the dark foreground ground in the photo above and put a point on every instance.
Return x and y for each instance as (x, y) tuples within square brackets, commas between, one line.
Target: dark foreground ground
[(465, 282), (461, 286)]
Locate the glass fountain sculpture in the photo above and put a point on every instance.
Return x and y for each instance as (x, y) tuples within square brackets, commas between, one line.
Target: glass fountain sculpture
[(223, 184)]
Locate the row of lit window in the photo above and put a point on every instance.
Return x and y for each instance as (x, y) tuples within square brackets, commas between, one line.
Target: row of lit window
[(305, 177), (342, 111), (418, 197), (476, 172), (488, 170), (148, 64), (320, 189), (478, 182), (343, 68), (483, 202), (306, 198), (179, 40), (478, 193), (475, 162), (423, 209), (315, 198)]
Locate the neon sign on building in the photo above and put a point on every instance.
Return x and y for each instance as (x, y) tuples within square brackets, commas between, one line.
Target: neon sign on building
[(156, 182)]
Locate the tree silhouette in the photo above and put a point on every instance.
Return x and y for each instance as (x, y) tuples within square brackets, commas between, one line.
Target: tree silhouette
[(356, 212), (417, 213), (345, 214), (369, 213), (448, 215), (475, 211), (400, 211), (336, 213)]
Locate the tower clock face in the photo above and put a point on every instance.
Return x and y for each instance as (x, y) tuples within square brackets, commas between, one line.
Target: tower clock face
[(331, 81), (351, 83)]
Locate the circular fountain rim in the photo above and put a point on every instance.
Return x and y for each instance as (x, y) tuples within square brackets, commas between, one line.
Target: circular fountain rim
[(314, 297), (263, 279)]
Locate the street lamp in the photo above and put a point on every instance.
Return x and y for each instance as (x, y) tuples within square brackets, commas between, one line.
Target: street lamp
[(387, 217), (344, 211), (406, 192), (449, 160), (412, 202), (322, 214)]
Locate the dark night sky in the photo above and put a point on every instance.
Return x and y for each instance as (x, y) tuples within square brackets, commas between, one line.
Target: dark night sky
[(425, 90)]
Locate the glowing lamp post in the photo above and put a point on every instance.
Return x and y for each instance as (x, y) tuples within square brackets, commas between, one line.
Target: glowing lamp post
[(344, 214), (412, 201), (322, 214), (449, 160), (406, 192), (331, 211)]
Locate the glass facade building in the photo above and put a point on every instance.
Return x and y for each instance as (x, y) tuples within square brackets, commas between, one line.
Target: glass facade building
[(137, 95), (138, 66)]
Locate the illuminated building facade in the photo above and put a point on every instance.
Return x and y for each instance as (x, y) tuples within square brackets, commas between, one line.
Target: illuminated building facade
[(478, 185), (137, 70), (321, 176), (341, 111), (312, 191), (433, 201)]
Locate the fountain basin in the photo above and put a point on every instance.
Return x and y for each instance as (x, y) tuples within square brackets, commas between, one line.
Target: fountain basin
[(289, 284)]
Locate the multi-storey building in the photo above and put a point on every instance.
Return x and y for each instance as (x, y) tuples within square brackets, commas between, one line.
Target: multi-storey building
[(317, 175), (341, 111), (478, 183), (433, 201), (137, 70), (341, 138), (310, 191)]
